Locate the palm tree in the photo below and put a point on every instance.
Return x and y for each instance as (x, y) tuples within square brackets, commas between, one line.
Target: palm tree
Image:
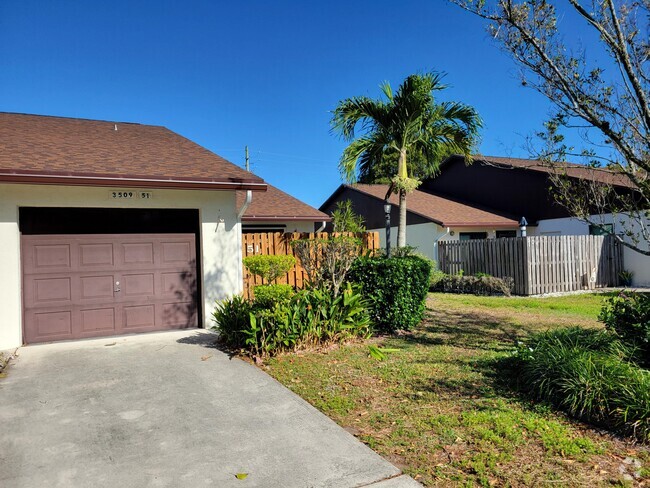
[(409, 123)]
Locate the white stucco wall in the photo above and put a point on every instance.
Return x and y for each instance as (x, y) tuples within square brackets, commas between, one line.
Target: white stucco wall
[(559, 227), (220, 240)]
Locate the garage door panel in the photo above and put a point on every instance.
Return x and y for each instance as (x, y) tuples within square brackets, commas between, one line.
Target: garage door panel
[(97, 287), (91, 255), (138, 285), (138, 253), (138, 316), (179, 315), (86, 286), (97, 320), (47, 258), (48, 290), (176, 252), (52, 325)]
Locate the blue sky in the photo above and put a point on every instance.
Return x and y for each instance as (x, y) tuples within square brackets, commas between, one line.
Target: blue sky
[(257, 73)]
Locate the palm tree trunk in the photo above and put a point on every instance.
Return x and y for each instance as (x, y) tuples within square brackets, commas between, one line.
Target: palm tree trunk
[(403, 174), (401, 230)]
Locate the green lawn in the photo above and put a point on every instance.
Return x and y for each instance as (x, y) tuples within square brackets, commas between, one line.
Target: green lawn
[(437, 408)]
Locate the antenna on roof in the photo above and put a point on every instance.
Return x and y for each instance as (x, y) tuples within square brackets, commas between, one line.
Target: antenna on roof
[(248, 167), (115, 126)]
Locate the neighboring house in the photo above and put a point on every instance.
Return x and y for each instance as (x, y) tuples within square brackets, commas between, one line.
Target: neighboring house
[(110, 228), (486, 199), (430, 217), (277, 211)]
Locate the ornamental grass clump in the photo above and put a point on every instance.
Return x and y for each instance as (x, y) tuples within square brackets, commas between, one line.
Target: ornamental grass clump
[(589, 374)]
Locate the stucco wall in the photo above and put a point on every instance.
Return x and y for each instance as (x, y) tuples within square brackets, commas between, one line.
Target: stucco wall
[(421, 236), (220, 240)]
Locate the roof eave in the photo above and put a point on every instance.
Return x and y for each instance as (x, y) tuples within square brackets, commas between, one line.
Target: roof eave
[(139, 182), (267, 218), (482, 224)]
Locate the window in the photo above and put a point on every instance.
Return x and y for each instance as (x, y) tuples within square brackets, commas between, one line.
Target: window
[(601, 229), (506, 233), (470, 236)]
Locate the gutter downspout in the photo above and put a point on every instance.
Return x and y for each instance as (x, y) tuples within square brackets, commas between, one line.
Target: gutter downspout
[(240, 214), (435, 245), (247, 202), (322, 226)]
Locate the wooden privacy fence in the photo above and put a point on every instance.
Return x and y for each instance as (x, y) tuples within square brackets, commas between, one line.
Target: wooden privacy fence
[(538, 264), (280, 243)]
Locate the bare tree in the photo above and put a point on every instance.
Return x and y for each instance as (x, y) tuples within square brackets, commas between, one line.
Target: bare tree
[(603, 94)]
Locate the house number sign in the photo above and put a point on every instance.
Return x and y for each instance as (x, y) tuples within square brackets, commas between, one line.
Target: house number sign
[(130, 195)]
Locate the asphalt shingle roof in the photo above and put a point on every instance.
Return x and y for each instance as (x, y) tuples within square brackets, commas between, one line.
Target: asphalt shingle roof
[(45, 146), (442, 210), (274, 204)]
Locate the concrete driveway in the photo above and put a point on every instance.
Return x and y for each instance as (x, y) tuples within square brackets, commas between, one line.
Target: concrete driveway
[(167, 409)]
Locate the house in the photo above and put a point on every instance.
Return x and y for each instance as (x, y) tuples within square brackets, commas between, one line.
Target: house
[(111, 228), (486, 199), (430, 217), (277, 211)]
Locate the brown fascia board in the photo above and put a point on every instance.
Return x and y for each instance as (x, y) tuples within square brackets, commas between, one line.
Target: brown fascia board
[(81, 179), (260, 218)]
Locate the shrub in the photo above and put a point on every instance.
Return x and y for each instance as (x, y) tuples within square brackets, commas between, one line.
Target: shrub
[(231, 318), (327, 261), (269, 295), (308, 317), (482, 284), (269, 267), (628, 315), (396, 287), (587, 374)]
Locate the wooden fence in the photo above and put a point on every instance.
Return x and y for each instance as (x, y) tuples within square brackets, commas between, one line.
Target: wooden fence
[(279, 243), (538, 264)]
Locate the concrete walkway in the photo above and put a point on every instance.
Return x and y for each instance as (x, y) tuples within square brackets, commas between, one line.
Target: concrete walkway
[(167, 409)]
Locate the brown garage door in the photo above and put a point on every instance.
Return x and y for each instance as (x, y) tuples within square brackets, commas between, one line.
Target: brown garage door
[(77, 286)]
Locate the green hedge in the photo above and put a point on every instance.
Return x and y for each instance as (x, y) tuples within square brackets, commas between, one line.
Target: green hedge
[(396, 287)]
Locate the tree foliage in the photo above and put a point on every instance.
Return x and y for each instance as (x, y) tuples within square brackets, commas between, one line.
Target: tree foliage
[(406, 124), (602, 92), (345, 220), (327, 261)]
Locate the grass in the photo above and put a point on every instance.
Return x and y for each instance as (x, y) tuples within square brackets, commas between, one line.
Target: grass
[(437, 408)]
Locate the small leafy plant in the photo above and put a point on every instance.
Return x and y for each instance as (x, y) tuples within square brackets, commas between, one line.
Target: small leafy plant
[(269, 267), (308, 317)]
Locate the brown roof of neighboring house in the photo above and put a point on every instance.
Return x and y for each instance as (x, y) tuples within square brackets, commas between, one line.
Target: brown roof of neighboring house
[(59, 150), (573, 170), (442, 210), (274, 204)]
